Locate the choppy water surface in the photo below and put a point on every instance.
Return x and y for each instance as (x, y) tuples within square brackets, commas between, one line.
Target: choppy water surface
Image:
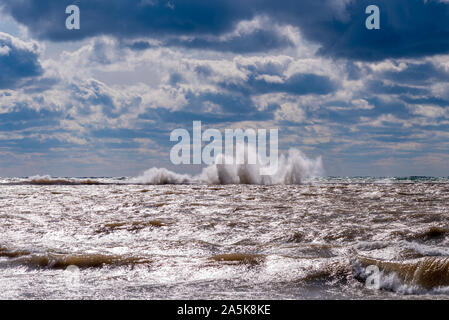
[(224, 241)]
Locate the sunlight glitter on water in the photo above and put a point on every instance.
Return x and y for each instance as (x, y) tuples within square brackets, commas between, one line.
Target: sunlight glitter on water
[(220, 241)]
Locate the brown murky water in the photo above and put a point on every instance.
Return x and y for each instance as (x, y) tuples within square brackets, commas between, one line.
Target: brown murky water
[(313, 240)]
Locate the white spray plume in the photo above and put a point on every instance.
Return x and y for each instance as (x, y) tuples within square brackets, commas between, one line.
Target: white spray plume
[(295, 168)]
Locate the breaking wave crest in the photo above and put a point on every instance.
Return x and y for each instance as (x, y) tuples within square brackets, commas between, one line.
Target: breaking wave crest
[(161, 176), (425, 275), (238, 258), (52, 260), (48, 180), (295, 168)]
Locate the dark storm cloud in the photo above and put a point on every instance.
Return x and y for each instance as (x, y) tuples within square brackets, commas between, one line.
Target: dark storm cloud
[(186, 117), (430, 100), (128, 18), (411, 28), (380, 87), (22, 117), (138, 45), (353, 71), (204, 71), (229, 107), (18, 62), (257, 41), (33, 145), (297, 84), (417, 73), (175, 79)]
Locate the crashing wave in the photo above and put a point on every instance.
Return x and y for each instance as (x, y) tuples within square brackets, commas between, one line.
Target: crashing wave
[(430, 274), (295, 168), (48, 180), (53, 260), (159, 176)]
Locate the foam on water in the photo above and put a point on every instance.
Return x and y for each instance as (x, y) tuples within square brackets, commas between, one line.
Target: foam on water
[(191, 238), (295, 168), (416, 276), (158, 176)]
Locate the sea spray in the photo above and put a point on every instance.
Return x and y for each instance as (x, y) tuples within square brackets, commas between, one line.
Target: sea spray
[(407, 276), (295, 168), (159, 176)]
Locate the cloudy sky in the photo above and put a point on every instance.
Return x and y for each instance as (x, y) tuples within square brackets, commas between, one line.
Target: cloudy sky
[(102, 100)]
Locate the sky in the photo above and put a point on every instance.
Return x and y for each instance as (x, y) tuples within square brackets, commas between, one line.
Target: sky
[(102, 100)]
